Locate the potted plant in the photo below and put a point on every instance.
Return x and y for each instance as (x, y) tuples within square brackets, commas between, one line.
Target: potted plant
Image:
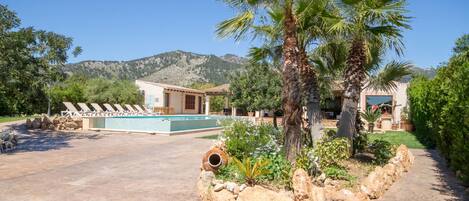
[(406, 124), (371, 116)]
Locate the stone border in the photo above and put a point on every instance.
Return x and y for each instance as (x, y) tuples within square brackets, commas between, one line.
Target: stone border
[(372, 187)]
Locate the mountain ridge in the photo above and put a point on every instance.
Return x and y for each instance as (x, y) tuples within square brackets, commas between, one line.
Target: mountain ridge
[(175, 67)]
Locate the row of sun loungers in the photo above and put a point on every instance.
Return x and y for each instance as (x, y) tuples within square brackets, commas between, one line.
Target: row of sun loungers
[(109, 111)]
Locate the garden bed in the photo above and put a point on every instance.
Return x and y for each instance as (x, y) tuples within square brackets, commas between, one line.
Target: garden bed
[(263, 173)]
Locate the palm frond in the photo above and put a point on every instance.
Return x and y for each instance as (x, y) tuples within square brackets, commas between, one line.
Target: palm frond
[(236, 26), (385, 80)]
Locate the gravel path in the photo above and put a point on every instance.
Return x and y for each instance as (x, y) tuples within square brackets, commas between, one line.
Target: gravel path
[(429, 179)]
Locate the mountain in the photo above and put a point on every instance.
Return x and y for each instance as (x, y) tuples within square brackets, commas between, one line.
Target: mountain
[(176, 67), (426, 72)]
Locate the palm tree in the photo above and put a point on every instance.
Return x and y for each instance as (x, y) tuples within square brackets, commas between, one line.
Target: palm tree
[(291, 97), (311, 31), (371, 116), (366, 25)]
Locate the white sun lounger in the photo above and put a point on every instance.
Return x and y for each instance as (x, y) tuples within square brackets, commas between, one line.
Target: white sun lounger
[(98, 109), (122, 110), (111, 110), (86, 110), (130, 108), (71, 110), (147, 111)]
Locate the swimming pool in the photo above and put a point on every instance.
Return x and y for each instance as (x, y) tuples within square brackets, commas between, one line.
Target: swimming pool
[(164, 124)]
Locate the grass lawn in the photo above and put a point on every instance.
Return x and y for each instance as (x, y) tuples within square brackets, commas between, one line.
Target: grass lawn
[(8, 119), (210, 137), (399, 137)]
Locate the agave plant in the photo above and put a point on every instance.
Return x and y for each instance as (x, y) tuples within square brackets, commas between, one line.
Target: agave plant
[(371, 116), (252, 171)]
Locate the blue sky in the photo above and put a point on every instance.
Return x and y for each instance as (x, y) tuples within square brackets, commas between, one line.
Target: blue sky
[(123, 30)]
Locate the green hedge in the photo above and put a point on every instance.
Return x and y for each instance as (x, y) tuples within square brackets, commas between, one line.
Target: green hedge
[(439, 109)]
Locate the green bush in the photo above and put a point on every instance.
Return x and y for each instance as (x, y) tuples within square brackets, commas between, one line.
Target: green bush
[(439, 109), (338, 173), (332, 152), (383, 151), (244, 139), (280, 170), (228, 172), (360, 142), (308, 161)]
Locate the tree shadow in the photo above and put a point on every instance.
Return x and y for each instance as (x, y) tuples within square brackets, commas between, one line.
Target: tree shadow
[(449, 184), (424, 139), (45, 140)]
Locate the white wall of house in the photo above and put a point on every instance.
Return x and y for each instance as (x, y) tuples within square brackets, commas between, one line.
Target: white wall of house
[(177, 101), (399, 97), (154, 96)]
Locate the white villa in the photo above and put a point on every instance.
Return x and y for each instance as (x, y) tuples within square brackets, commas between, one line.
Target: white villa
[(171, 99)]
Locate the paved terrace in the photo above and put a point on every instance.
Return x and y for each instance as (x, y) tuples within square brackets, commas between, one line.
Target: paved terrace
[(122, 166), (102, 166)]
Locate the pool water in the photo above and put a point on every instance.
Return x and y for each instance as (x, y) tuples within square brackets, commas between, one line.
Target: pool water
[(158, 124)]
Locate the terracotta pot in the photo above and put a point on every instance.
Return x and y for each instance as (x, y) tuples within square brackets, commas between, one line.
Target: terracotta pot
[(407, 126), (214, 159), (251, 114)]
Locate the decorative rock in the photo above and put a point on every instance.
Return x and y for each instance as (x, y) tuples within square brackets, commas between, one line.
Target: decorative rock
[(71, 125), (216, 181), (322, 178), (404, 156), (232, 187), (344, 195), (223, 195), (36, 123), (301, 184), (56, 120), (242, 187), (79, 123), (205, 180), (317, 193), (29, 123), (258, 193), (375, 184), (218, 187)]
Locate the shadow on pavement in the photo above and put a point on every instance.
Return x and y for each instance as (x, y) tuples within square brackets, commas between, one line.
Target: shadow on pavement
[(40, 140), (449, 185)]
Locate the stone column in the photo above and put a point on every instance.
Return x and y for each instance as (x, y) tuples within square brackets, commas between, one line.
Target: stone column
[(207, 105), (233, 111)]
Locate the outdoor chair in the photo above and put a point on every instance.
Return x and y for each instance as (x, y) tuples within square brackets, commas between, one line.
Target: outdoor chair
[(71, 110), (111, 110), (131, 109), (149, 112), (98, 109), (122, 110), (86, 110)]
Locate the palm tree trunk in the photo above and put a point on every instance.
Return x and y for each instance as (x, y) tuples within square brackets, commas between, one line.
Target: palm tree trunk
[(310, 89), (353, 83), (291, 100)]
